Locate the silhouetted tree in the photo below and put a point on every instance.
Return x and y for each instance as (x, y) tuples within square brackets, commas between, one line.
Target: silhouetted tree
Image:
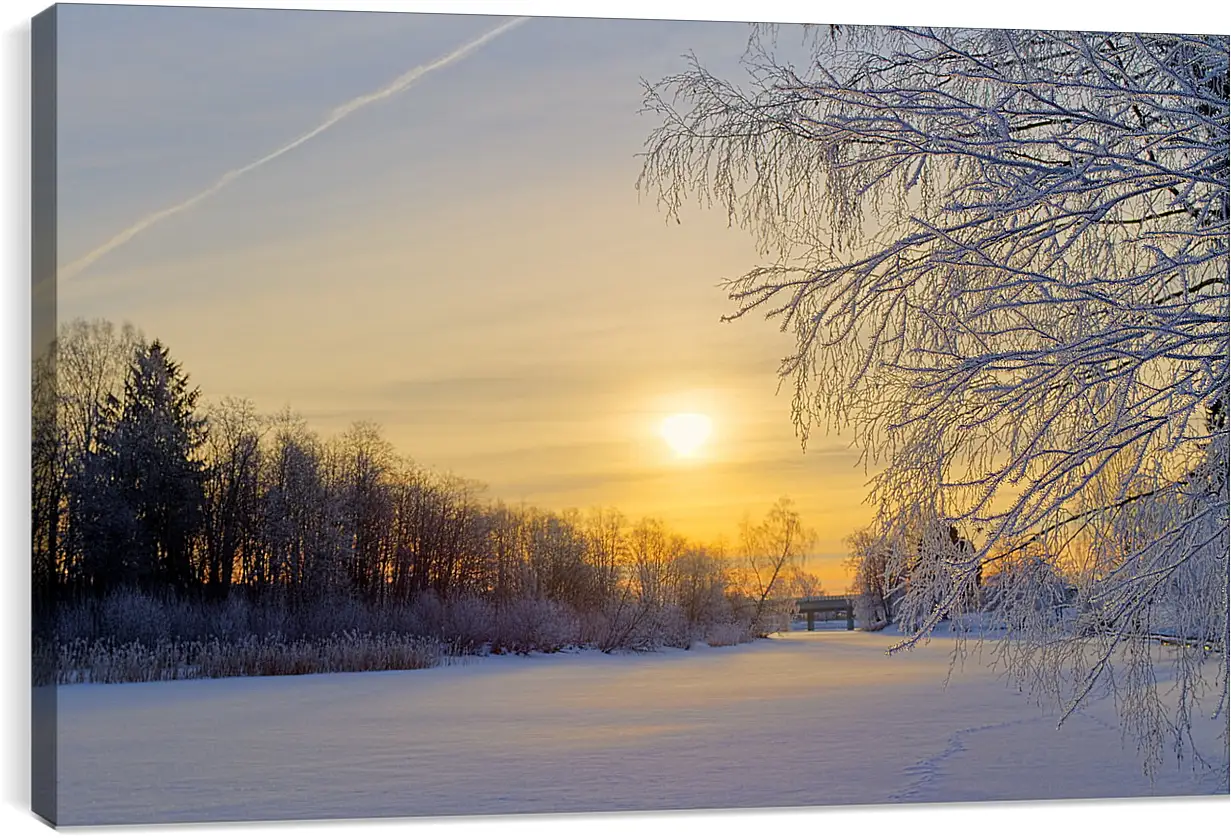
[(48, 482), (232, 488), (140, 496)]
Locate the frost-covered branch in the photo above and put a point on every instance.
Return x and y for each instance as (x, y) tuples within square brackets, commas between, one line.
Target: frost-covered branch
[(1004, 258)]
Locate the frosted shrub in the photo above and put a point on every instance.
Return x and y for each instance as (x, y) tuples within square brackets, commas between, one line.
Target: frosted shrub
[(427, 614), (230, 619), (535, 625), (264, 620), (727, 634), (642, 626), (132, 616), (77, 619), (469, 622), (126, 616), (330, 616), (620, 625), (870, 612), (772, 622), (673, 629), (593, 627), (134, 636), (631, 628), (392, 619)]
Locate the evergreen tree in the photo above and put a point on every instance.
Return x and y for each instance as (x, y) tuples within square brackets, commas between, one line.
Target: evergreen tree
[(140, 507)]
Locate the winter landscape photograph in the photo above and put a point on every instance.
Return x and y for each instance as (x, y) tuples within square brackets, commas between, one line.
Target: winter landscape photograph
[(443, 415)]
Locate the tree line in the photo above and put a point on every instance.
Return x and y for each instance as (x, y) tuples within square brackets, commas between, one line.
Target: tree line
[(139, 487)]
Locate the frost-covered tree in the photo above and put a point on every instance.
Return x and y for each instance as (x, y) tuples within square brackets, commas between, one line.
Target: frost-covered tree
[(71, 386), (1003, 255), (559, 550), (875, 561), (303, 543), (232, 490), (701, 578), (604, 530), (92, 359), (365, 462), (769, 552)]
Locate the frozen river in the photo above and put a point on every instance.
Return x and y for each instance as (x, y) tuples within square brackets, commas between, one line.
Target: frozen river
[(800, 720)]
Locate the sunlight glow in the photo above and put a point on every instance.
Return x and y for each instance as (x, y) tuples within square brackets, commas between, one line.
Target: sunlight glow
[(686, 432)]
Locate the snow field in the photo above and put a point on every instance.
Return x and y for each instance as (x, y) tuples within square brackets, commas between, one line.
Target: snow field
[(798, 720)]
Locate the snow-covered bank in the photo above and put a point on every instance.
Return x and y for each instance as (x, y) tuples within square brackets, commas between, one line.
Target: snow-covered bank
[(805, 719)]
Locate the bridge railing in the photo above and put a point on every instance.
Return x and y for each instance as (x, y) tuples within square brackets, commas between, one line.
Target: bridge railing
[(824, 600), (836, 606)]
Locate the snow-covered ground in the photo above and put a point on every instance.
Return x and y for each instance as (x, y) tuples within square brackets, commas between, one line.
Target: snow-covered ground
[(799, 720)]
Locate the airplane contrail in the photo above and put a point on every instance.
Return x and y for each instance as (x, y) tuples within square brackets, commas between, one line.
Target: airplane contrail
[(336, 115)]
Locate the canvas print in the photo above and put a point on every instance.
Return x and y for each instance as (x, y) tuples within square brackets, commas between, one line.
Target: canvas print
[(450, 414)]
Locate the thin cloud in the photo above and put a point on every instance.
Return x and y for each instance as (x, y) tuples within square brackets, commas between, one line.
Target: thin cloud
[(337, 115)]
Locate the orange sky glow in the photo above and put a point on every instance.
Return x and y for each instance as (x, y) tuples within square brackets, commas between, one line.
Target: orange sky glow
[(482, 280)]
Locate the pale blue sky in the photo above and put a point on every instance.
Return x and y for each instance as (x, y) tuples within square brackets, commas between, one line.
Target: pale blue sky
[(466, 262)]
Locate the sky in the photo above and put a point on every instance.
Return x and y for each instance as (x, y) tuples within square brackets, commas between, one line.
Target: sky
[(465, 261)]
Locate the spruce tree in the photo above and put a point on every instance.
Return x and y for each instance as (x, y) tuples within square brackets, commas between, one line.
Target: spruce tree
[(141, 508)]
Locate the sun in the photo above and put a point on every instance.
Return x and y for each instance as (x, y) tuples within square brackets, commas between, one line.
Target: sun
[(686, 432)]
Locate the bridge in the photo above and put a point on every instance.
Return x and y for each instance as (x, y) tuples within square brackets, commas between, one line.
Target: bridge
[(830, 607)]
